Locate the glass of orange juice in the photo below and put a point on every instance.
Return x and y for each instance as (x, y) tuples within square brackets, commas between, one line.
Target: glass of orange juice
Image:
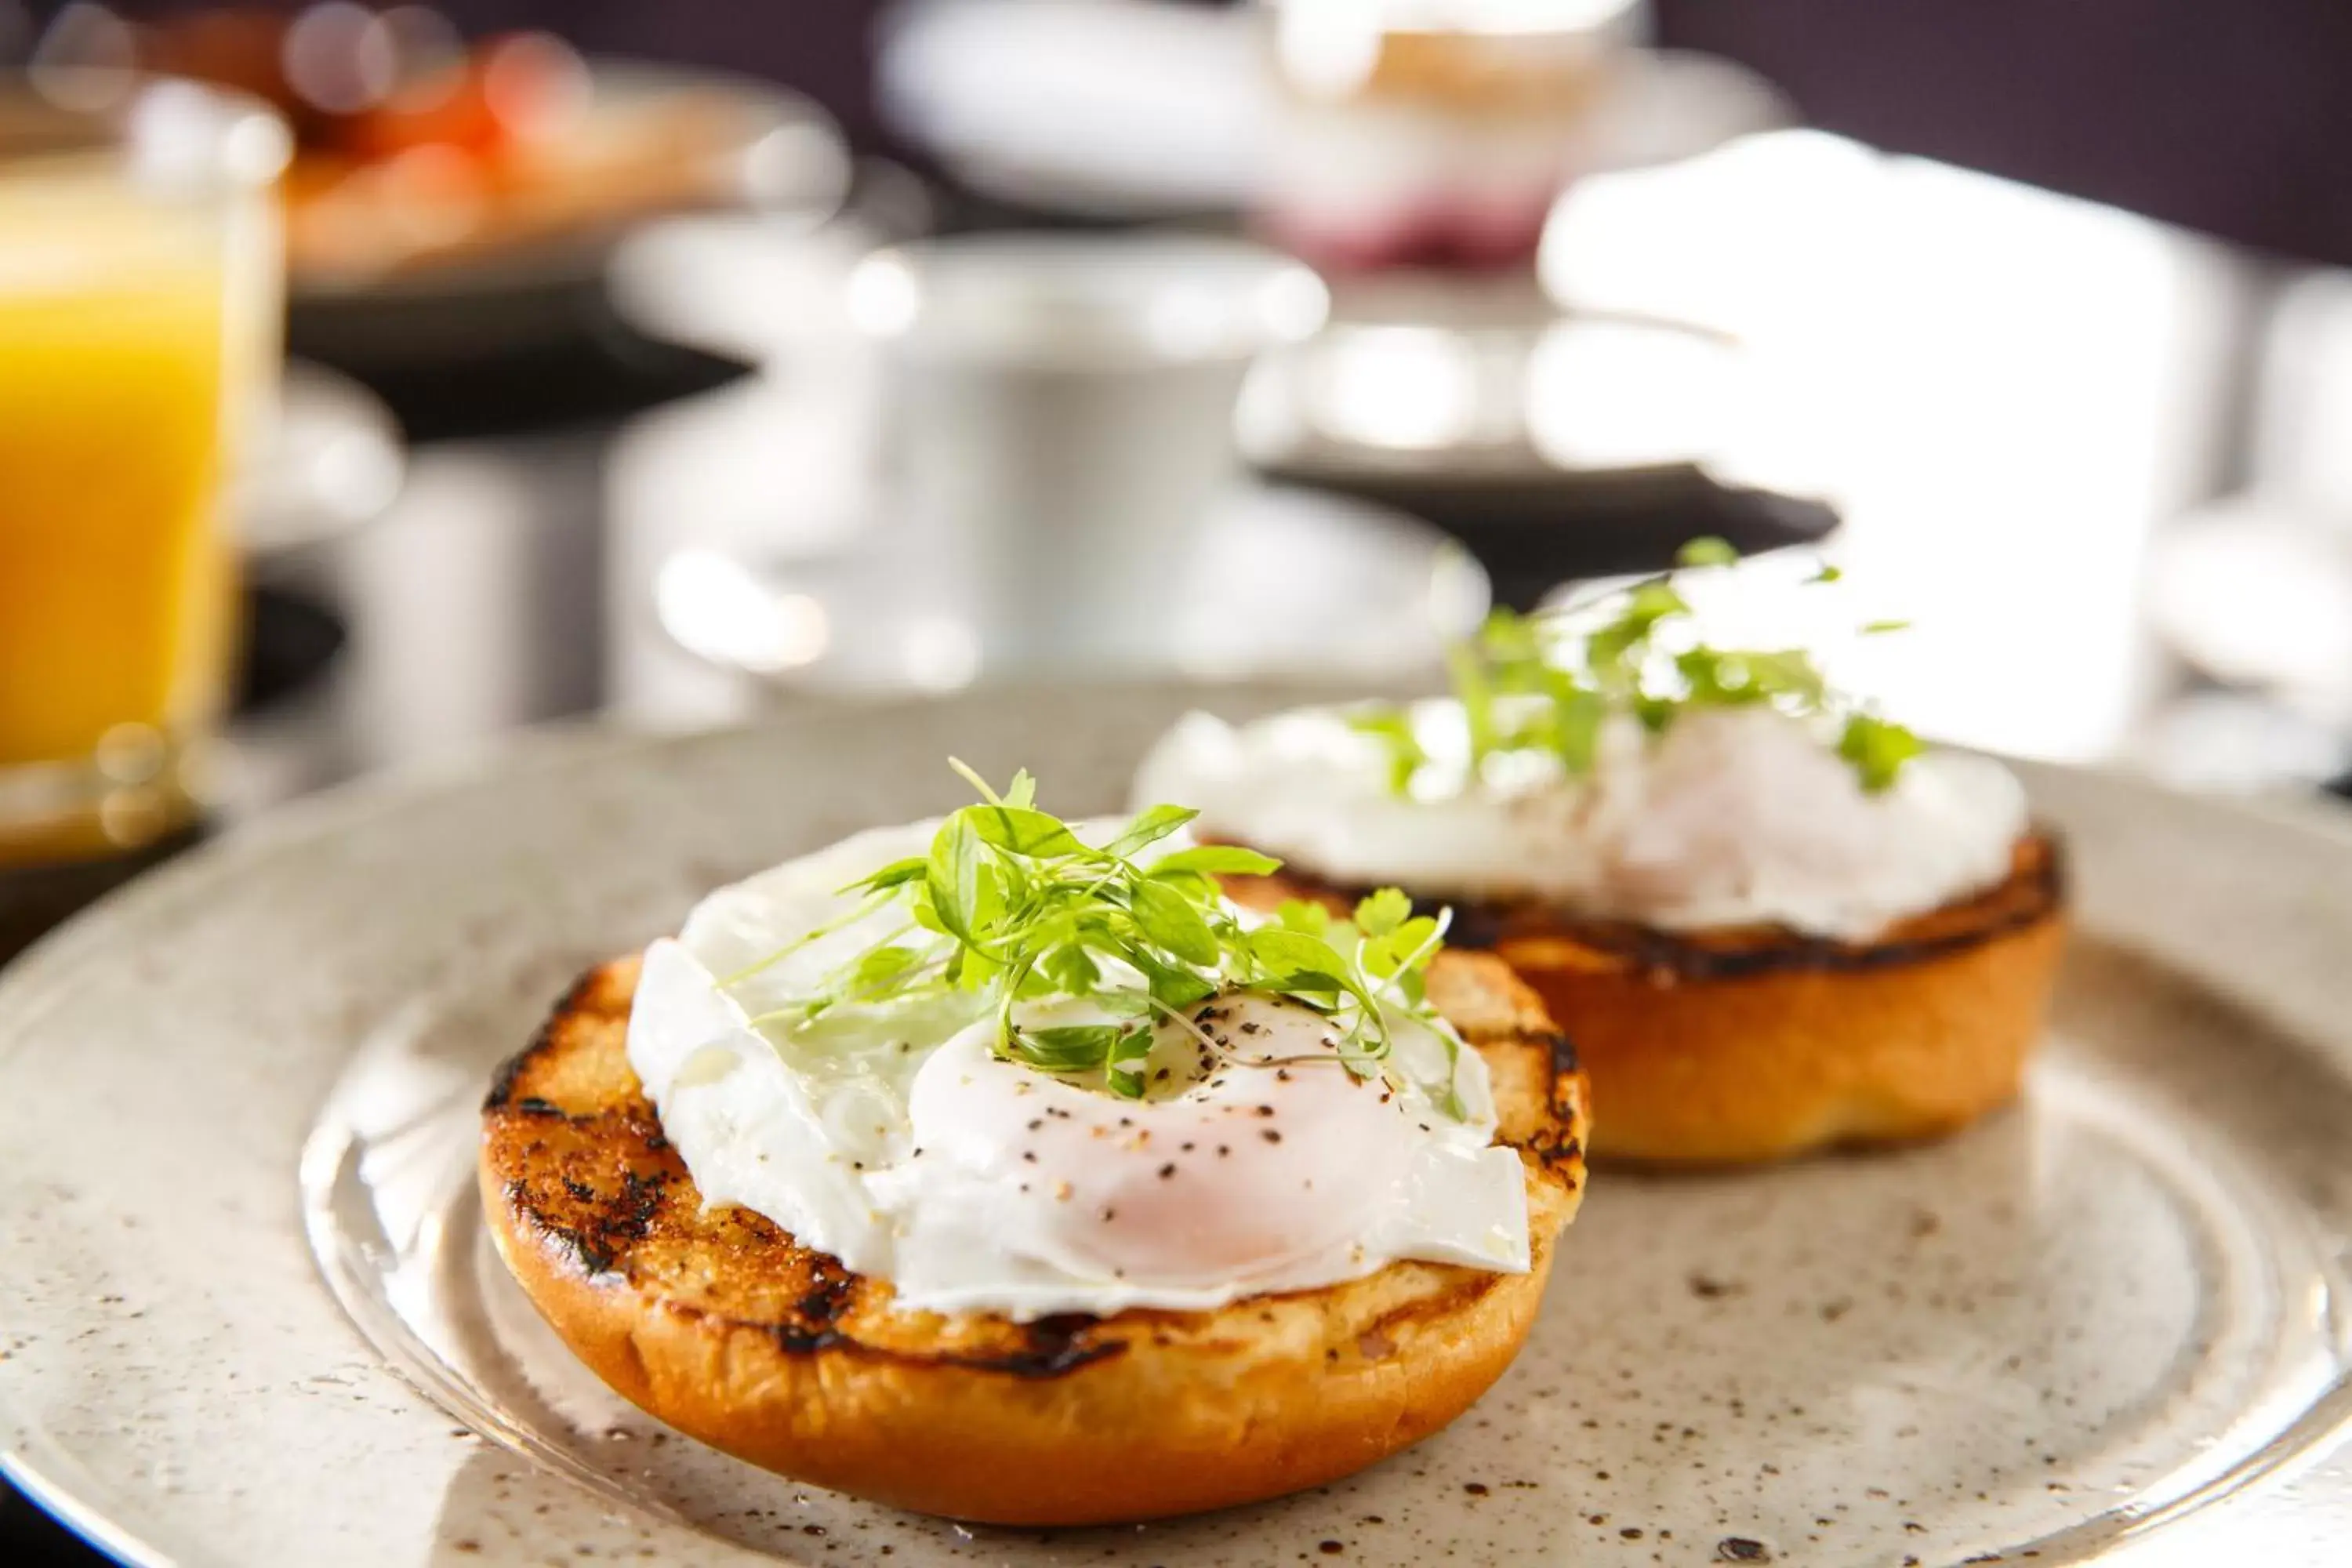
[(140, 300)]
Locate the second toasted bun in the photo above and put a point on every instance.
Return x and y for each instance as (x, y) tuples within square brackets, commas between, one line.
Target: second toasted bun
[(1754, 1044), (722, 1325)]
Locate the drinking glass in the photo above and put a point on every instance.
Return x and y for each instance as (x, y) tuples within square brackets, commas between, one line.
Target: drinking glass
[(140, 278)]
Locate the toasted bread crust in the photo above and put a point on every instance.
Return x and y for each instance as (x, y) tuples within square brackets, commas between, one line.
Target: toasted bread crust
[(1731, 1046), (722, 1325)]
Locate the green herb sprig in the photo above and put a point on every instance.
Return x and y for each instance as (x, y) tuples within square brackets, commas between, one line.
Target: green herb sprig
[(1010, 906), (1548, 682)]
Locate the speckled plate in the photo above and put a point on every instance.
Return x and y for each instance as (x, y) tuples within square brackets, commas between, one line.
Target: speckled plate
[(247, 1314)]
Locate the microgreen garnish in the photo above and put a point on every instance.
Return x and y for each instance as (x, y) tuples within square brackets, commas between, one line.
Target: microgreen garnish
[(1010, 906), (1707, 551), (1876, 749), (1548, 682)]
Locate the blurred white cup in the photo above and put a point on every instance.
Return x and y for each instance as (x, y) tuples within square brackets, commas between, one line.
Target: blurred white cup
[(1059, 423)]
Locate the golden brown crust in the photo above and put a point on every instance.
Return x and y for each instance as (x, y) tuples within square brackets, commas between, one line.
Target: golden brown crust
[(1756, 1042), (718, 1323)]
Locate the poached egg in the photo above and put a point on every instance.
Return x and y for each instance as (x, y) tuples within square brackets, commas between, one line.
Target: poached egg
[(897, 1137), (1735, 815)]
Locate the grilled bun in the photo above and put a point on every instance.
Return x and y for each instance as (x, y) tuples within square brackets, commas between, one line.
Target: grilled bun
[(718, 1323), (1750, 1044)]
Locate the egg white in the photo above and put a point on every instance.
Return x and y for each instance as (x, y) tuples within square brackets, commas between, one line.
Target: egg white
[(1735, 816), (898, 1140)]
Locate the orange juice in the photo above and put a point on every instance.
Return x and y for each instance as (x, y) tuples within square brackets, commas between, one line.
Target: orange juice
[(114, 578)]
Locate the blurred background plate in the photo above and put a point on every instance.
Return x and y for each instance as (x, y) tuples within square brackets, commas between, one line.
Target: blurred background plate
[(2255, 592), (524, 272), (1281, 581), (1127, 110), (1552, 445)]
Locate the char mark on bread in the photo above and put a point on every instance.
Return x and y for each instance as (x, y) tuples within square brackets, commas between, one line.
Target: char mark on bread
[(502, 1083), (597, 1182), (2035, 888)]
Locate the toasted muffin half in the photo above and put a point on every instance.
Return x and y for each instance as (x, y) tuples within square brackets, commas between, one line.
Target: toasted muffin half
[(719, 1324), (1755, 1043)]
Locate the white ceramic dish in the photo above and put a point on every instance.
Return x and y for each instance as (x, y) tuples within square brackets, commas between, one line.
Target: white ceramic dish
[(789, 163), (1114, 107), (1309, 585), (2108, 1326)]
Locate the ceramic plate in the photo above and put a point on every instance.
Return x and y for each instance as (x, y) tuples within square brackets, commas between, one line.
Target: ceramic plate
[(248, 1315), (786, 160)]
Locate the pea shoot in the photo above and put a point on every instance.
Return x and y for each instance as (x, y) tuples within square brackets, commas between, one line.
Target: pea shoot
[(1540, 683), (1009, 905)]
